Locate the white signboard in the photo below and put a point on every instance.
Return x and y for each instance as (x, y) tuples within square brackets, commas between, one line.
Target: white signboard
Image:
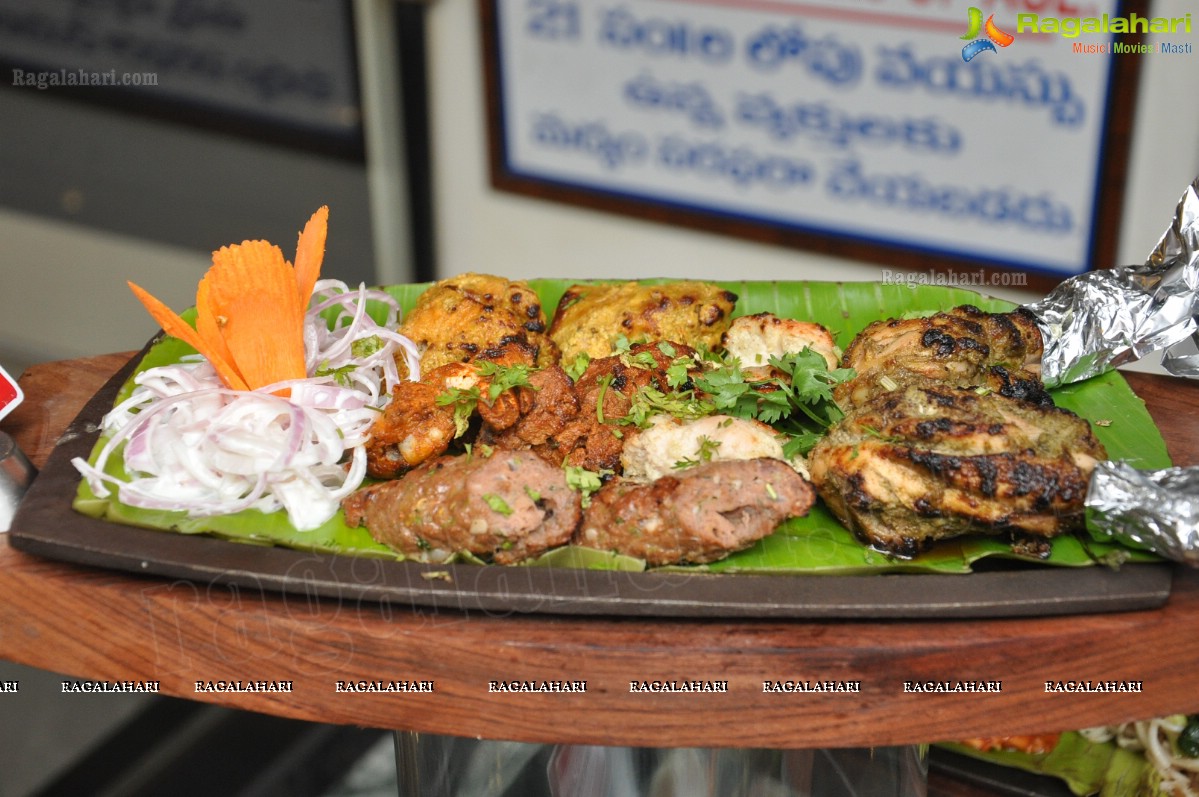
[(915, 124)]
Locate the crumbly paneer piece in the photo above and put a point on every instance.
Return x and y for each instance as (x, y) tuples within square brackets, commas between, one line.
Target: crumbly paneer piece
[(590, 318), (670, 444), (754, 339), (459, 318)]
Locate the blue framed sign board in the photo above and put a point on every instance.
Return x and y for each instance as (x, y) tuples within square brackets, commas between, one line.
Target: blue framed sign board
[(927, 134)]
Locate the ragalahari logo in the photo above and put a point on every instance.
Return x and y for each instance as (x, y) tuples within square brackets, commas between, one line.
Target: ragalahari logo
[(994, 35)]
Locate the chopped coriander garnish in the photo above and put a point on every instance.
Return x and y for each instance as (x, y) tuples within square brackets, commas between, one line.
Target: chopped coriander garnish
[(649, 401), (464, 401), (642, 359), (497, 504), (575, 369), (604, 383), (875, 433), (678, 373), (340, 375), (365, 347), (504, 377), (484, 450), (584, 481), (704, 452)]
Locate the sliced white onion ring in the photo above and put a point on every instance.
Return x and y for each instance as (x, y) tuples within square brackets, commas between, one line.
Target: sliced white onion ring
[(190, 444)]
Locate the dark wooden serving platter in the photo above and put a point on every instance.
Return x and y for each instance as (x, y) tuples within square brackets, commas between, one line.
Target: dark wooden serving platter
[(47, 525)]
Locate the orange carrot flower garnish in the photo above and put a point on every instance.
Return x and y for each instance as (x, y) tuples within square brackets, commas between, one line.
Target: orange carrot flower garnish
[(250, 308)]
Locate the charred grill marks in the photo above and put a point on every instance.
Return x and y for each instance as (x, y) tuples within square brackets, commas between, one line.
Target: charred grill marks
[(948, 430)]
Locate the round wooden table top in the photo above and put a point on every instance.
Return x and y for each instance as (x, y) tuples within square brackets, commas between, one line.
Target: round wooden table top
[(432, 671)]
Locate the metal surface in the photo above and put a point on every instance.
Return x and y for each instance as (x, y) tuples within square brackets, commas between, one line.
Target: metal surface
[(16, 474)]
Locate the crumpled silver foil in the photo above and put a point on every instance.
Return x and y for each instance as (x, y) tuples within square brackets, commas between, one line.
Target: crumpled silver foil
[(1157, 510), (1102, 319)]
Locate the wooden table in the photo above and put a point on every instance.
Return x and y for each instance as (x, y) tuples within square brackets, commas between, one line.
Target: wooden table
[(112, 626)]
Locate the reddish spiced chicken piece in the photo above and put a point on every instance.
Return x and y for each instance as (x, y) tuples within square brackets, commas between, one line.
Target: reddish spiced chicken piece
[(414, 427), (417, 425), (575, 424)]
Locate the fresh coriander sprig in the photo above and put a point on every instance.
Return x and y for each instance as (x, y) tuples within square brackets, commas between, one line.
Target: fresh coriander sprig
[(504, 377), (466, 400), (797, 399), (341, 375), (649, 401), (704, 452)]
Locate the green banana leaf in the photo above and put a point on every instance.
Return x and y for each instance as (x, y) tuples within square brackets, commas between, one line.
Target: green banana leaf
[(815, 544), (1087, 768)]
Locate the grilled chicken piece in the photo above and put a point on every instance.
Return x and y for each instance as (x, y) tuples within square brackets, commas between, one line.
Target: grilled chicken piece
[(526, 417), (506, 507), (754, 339), (911, 466), (964, 347), (414, 427), (457, 319), (696, 515), (604, 394), (609, 384), (590, 318)]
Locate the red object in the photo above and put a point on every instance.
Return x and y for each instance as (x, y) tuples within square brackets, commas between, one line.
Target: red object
[(10, 393)]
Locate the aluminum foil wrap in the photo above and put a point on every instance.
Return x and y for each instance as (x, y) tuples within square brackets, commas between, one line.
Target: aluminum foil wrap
[(1157, 510), (1102, 319), (1105, 318)]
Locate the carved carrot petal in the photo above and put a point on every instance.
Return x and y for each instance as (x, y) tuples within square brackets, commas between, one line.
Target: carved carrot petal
[(176, 327), (250, 309), (310, 253), (208, 325), (258, 312)]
